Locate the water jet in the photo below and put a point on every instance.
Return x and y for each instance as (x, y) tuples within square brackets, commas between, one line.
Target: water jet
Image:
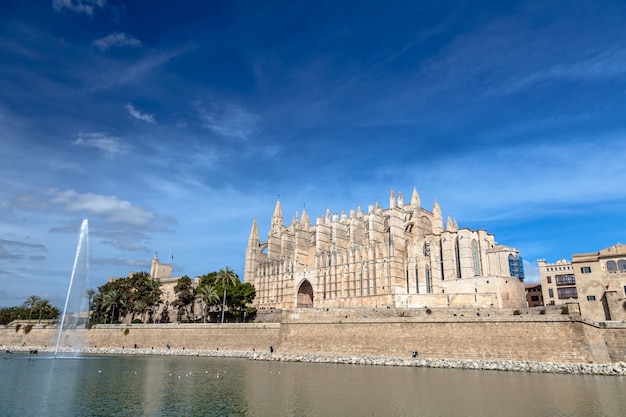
[(75, 303)]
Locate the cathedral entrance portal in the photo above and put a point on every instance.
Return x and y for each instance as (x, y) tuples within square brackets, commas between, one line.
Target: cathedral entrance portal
[(305, 295)]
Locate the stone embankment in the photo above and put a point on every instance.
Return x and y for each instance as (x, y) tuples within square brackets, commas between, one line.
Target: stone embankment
[(616, 369)]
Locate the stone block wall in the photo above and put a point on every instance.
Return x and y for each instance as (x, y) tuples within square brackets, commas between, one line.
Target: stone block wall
[(557, 340), (246, 337), (538, 338)]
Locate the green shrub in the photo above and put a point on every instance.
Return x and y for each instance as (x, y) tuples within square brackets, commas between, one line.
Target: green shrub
[(564, 310), (516, 313)]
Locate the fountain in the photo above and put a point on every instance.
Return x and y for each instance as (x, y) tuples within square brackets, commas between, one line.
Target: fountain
[(76, 304)]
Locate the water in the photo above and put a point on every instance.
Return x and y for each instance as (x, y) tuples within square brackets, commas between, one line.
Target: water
[(197, 386), (76, 302)]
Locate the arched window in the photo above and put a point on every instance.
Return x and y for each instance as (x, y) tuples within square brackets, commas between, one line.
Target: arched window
[(611, 267), (428, 281), (457, 257), (476, 259), (621, 265), (407, 279), (417, 284)]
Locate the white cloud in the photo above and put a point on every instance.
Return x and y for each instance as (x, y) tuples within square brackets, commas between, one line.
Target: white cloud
[(110, 145), (109, 207), (78, 6), (149, 118), (531, 272), (228, 120), (118, 39)]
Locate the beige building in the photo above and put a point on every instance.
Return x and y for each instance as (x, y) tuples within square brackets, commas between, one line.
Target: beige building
[(534, 297), (558, 283), (163, 273), (399, 257), (601, 283)]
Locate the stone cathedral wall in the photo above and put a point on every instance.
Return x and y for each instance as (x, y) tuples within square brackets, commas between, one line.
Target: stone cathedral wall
[(539, 338)]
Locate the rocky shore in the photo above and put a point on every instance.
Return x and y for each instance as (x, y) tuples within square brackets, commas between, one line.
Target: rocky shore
[(616, 369)]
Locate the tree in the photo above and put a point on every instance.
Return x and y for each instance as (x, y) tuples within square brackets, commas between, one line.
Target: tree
[(111, 301), (226, 276), (133, 294), (41, 307), (136, 293), (184, 297), (45, 309), (154, 296), (239, 297), (30, 303), (142, 308), (207, 294)]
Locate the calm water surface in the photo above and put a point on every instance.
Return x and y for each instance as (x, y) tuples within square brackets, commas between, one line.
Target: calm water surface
[(196, 386)]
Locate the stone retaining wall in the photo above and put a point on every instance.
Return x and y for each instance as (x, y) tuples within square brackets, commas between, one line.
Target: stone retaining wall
[(554, 338)]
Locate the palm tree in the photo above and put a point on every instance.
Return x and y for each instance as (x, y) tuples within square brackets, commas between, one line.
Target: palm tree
[(89, 293), (30, 303), (142, 307), (110, 301), (227, 276), (208, 294), (43, 306)]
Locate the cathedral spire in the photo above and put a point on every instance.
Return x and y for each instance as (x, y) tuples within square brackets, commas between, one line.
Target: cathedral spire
[(277, 218), (438, 218), (305, 220), (415, 199), (392, 199), (400, 199), (437, 210), (254, 234)]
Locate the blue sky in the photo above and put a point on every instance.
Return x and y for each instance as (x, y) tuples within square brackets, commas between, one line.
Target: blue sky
[(170, 126)]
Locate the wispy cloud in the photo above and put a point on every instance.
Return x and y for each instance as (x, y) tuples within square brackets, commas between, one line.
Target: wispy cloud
[(109, 207), (227, 119), (13, 250), (110, 145), (146, 117), (116, 74), (125, 240), (607, 64), (119, 261), (117, 39), (507, 184), (79, 6)]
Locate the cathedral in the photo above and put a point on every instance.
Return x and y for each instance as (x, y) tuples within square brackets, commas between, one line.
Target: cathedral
[(398, 257)]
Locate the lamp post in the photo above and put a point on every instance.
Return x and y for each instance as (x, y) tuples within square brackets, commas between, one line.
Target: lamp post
[(244, 316)]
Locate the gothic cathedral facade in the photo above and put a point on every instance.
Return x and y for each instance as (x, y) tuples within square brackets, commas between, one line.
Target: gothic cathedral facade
[(399, 257)]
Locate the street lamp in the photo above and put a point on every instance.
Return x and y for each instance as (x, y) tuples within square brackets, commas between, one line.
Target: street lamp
[(244, 316)]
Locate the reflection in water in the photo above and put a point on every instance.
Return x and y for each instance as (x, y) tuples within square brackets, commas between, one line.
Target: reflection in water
[(194, 386)]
